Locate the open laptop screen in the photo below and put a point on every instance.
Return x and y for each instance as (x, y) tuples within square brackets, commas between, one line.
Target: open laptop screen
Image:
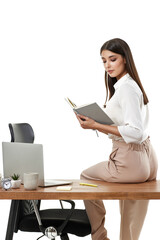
[(20, 158)]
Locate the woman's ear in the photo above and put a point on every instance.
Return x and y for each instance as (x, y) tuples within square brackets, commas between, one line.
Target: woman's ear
[(124, 61)]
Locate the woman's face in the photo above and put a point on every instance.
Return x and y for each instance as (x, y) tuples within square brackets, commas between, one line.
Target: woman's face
[(114, 64)]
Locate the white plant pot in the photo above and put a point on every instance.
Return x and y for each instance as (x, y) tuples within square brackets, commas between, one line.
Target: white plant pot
[(16, 183)]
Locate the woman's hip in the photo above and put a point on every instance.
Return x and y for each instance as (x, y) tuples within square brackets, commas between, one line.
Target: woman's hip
[(127, 163)]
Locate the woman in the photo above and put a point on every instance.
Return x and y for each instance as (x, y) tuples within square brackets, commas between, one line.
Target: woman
[(132, 159)]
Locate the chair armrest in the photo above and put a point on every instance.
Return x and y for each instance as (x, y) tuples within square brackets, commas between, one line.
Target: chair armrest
[(60, 229)]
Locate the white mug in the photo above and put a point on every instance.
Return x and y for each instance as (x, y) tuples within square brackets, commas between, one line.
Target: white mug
[(30, 181)]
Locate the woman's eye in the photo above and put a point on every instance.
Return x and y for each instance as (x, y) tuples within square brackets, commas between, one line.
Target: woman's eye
[(113, 59)]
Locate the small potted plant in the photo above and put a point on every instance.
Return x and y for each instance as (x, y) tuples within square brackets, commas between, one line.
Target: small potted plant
[(16, 182)]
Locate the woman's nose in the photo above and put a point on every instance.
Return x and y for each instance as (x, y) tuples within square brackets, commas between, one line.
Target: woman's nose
[(106, 65)]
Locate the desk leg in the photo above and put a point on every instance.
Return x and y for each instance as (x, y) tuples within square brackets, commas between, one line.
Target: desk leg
[(12, 219)]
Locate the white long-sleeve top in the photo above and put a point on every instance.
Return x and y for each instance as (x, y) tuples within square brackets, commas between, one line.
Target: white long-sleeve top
[(127, 110)]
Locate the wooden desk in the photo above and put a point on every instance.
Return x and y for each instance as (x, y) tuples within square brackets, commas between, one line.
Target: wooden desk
[(105, 190)]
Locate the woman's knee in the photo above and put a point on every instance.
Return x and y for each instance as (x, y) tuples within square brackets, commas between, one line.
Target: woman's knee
[(83, 175)]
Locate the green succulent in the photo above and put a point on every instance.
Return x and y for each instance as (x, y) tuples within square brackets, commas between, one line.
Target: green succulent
[(15, 176)]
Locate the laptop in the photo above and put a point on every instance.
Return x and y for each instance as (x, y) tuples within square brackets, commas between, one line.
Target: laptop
[(21, 158)]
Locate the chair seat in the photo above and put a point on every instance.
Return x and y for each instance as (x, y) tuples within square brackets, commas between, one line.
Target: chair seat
[(78, 223)]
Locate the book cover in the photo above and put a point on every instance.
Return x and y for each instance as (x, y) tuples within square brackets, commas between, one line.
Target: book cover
[(92, 111)]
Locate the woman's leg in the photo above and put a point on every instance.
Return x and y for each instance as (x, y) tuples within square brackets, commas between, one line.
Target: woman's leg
[(96, 214), (124, 162), (133, 214), (95, 208)]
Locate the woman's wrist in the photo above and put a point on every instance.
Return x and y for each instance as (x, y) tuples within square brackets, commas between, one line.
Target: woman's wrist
[(107, 129), (96, 126)]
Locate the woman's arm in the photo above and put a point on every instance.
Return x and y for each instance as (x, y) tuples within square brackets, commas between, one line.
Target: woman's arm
[(88, 123)]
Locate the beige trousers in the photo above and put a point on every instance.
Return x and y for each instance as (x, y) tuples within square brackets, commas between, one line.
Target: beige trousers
[(128, 163)]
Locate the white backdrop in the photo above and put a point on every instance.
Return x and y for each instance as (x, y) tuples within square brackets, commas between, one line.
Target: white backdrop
[(50, 50)]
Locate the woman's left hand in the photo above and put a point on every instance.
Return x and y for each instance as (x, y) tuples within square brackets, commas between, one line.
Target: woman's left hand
[(85, 122)]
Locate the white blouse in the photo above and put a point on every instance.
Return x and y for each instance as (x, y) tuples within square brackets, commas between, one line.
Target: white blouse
[(127, 110)]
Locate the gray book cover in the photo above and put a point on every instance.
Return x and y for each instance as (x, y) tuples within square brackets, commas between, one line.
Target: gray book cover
[(94, 112)]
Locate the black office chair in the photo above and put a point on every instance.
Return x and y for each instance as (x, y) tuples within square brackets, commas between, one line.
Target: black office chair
[(53, 222)]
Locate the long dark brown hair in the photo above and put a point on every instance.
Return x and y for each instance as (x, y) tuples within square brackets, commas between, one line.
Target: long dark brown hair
[(119, 46)]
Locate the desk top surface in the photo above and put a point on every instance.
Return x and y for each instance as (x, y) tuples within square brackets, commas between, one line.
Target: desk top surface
[(104, 190)]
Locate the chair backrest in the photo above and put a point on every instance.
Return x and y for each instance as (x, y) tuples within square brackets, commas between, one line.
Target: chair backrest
[(21, 132)]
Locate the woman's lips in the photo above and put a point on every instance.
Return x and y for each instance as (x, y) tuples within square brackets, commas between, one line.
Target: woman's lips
[(110, 71)]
